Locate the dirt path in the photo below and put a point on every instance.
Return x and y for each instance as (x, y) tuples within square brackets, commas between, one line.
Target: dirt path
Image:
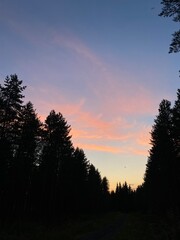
[(106, 232)]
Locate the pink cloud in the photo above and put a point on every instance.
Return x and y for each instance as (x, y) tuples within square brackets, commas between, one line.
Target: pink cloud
[(95, 131), (106, 120), (90, 132), (103, 117), (101, 148), (143, 137), (139, 152), (113, 91)]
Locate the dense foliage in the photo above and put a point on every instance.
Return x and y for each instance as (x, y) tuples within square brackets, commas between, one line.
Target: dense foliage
[(161, 181), (171, 8), (42, 175)]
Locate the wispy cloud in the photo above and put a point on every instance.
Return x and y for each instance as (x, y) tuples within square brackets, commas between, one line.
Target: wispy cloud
[(104, 117), (114, 91), (73, 43), (102, 148), (93, 131)]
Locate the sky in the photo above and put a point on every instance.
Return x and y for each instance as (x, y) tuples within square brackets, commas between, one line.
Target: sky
[(103, 64)]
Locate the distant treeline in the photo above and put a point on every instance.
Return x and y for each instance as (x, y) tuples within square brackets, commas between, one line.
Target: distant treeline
[(43, 177)]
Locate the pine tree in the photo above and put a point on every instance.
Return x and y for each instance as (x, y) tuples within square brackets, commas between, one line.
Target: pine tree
[(25, 158), (80, 166), (55, 167), (158, 175), (176, 142), (105, 194), (11, 103), (105, 186), (94, 189)]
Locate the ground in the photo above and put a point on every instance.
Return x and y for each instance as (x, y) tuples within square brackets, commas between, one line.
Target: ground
[(109, 226)]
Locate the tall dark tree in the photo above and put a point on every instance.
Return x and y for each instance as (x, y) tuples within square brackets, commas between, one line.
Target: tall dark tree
[(176, 142), (25, 158), (105, 186), (94, 189), (176, 123), (105, 193), (55, 166), (158, 175), (79, 186), (11, 103), (11, 100)]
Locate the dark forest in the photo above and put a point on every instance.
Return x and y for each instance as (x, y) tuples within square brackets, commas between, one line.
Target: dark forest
[(46, 181), (44, 178)]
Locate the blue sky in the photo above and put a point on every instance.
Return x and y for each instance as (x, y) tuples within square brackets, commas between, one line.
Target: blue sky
[(103, 64)]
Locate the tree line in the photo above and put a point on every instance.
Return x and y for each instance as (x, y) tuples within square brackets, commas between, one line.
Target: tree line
[(44, 177), (41, 173)]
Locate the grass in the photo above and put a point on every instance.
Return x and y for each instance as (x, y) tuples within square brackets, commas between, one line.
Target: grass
[(71, 229), (148, 227), (133, 227)]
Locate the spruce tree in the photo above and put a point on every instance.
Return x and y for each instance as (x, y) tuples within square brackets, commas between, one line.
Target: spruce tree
[(94, 189), (158, 175), (105, 193), (11, 103), (25, 158), (80, 166), (55, 166), (176, 142)]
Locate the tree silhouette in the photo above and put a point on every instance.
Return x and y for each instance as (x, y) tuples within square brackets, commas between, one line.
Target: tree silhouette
[(10, 110), (105, 193), (25, 158), (105, 186), (79, 186), (158, 175), (171, 8), (176, 142), (94, 189), (11, 103), (55, 167)]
